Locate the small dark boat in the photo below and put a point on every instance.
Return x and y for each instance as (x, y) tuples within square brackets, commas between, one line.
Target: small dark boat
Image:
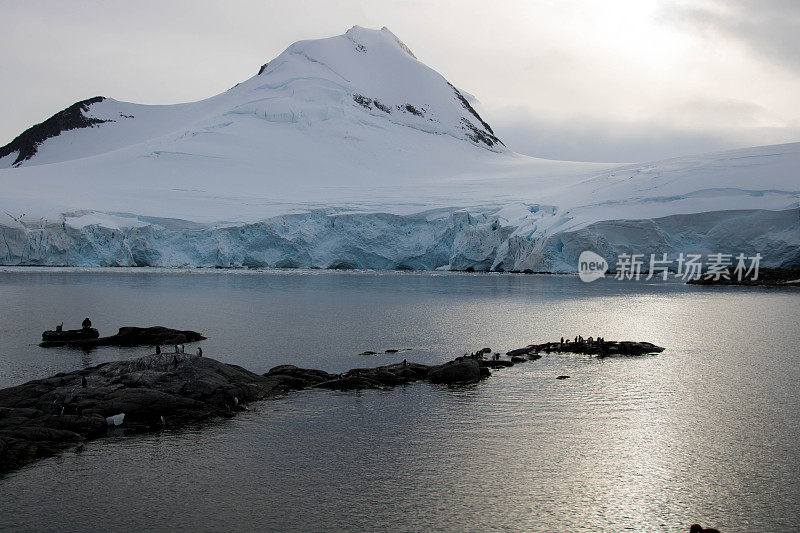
[(57, 338)]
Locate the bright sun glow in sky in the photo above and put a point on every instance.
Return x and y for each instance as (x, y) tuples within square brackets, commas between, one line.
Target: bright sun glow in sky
[(616, 80)]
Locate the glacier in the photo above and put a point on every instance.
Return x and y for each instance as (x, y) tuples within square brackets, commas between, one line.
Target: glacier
[(436, 240), (350, 153)]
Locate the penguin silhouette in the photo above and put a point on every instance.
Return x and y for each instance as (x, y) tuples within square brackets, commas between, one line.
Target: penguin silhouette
[(697, 528)]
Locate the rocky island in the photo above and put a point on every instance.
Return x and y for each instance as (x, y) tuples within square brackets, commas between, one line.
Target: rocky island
[(43, 417), (592, 346), (126, 336)]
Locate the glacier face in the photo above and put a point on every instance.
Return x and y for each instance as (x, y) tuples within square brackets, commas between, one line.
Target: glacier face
[(348, 152), (443, 239)]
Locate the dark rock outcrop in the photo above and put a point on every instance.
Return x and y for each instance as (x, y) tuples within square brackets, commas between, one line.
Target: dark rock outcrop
[(462, 370), (487, 135), (55, 337), (600, 348), (299, 378), (27, 143), (697, 528), (495, 363), (46, 416), (521, 351), (127, 336), (42, 417)]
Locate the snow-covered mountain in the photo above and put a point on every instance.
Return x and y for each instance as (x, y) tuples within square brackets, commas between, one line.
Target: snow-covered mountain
[(349, 152)]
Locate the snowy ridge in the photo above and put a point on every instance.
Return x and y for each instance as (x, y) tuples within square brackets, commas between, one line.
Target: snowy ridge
[(348, 152)]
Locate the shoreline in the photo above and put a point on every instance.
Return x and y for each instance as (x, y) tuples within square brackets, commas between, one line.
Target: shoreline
[(255, 271), (772, 278)]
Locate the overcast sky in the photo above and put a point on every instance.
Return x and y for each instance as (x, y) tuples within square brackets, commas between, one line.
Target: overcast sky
[(581, 80)]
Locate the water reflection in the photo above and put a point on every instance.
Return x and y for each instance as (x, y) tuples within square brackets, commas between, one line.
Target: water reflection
[(706, 431)]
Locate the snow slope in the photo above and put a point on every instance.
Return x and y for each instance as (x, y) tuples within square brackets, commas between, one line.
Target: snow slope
[(348, 152)]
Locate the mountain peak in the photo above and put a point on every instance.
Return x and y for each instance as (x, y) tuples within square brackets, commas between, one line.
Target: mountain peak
[(378, 72), (363, 84), (366, 37)]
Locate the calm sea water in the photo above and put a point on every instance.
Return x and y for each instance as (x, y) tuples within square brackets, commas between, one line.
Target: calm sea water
[(707, 431)]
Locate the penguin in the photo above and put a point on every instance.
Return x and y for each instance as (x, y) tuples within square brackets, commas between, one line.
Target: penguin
[(199, 351), (158, 349), (83, 382), (697, 528)]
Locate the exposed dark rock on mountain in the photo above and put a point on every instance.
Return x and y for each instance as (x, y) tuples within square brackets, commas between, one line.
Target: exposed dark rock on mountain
[(478, 135), (487, 137), (27, 142)]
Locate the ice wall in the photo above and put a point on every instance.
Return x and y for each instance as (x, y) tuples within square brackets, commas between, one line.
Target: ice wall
[(442, 239)]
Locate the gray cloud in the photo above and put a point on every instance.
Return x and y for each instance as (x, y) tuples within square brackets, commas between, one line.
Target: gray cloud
[(768, 27), (581, 139)]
